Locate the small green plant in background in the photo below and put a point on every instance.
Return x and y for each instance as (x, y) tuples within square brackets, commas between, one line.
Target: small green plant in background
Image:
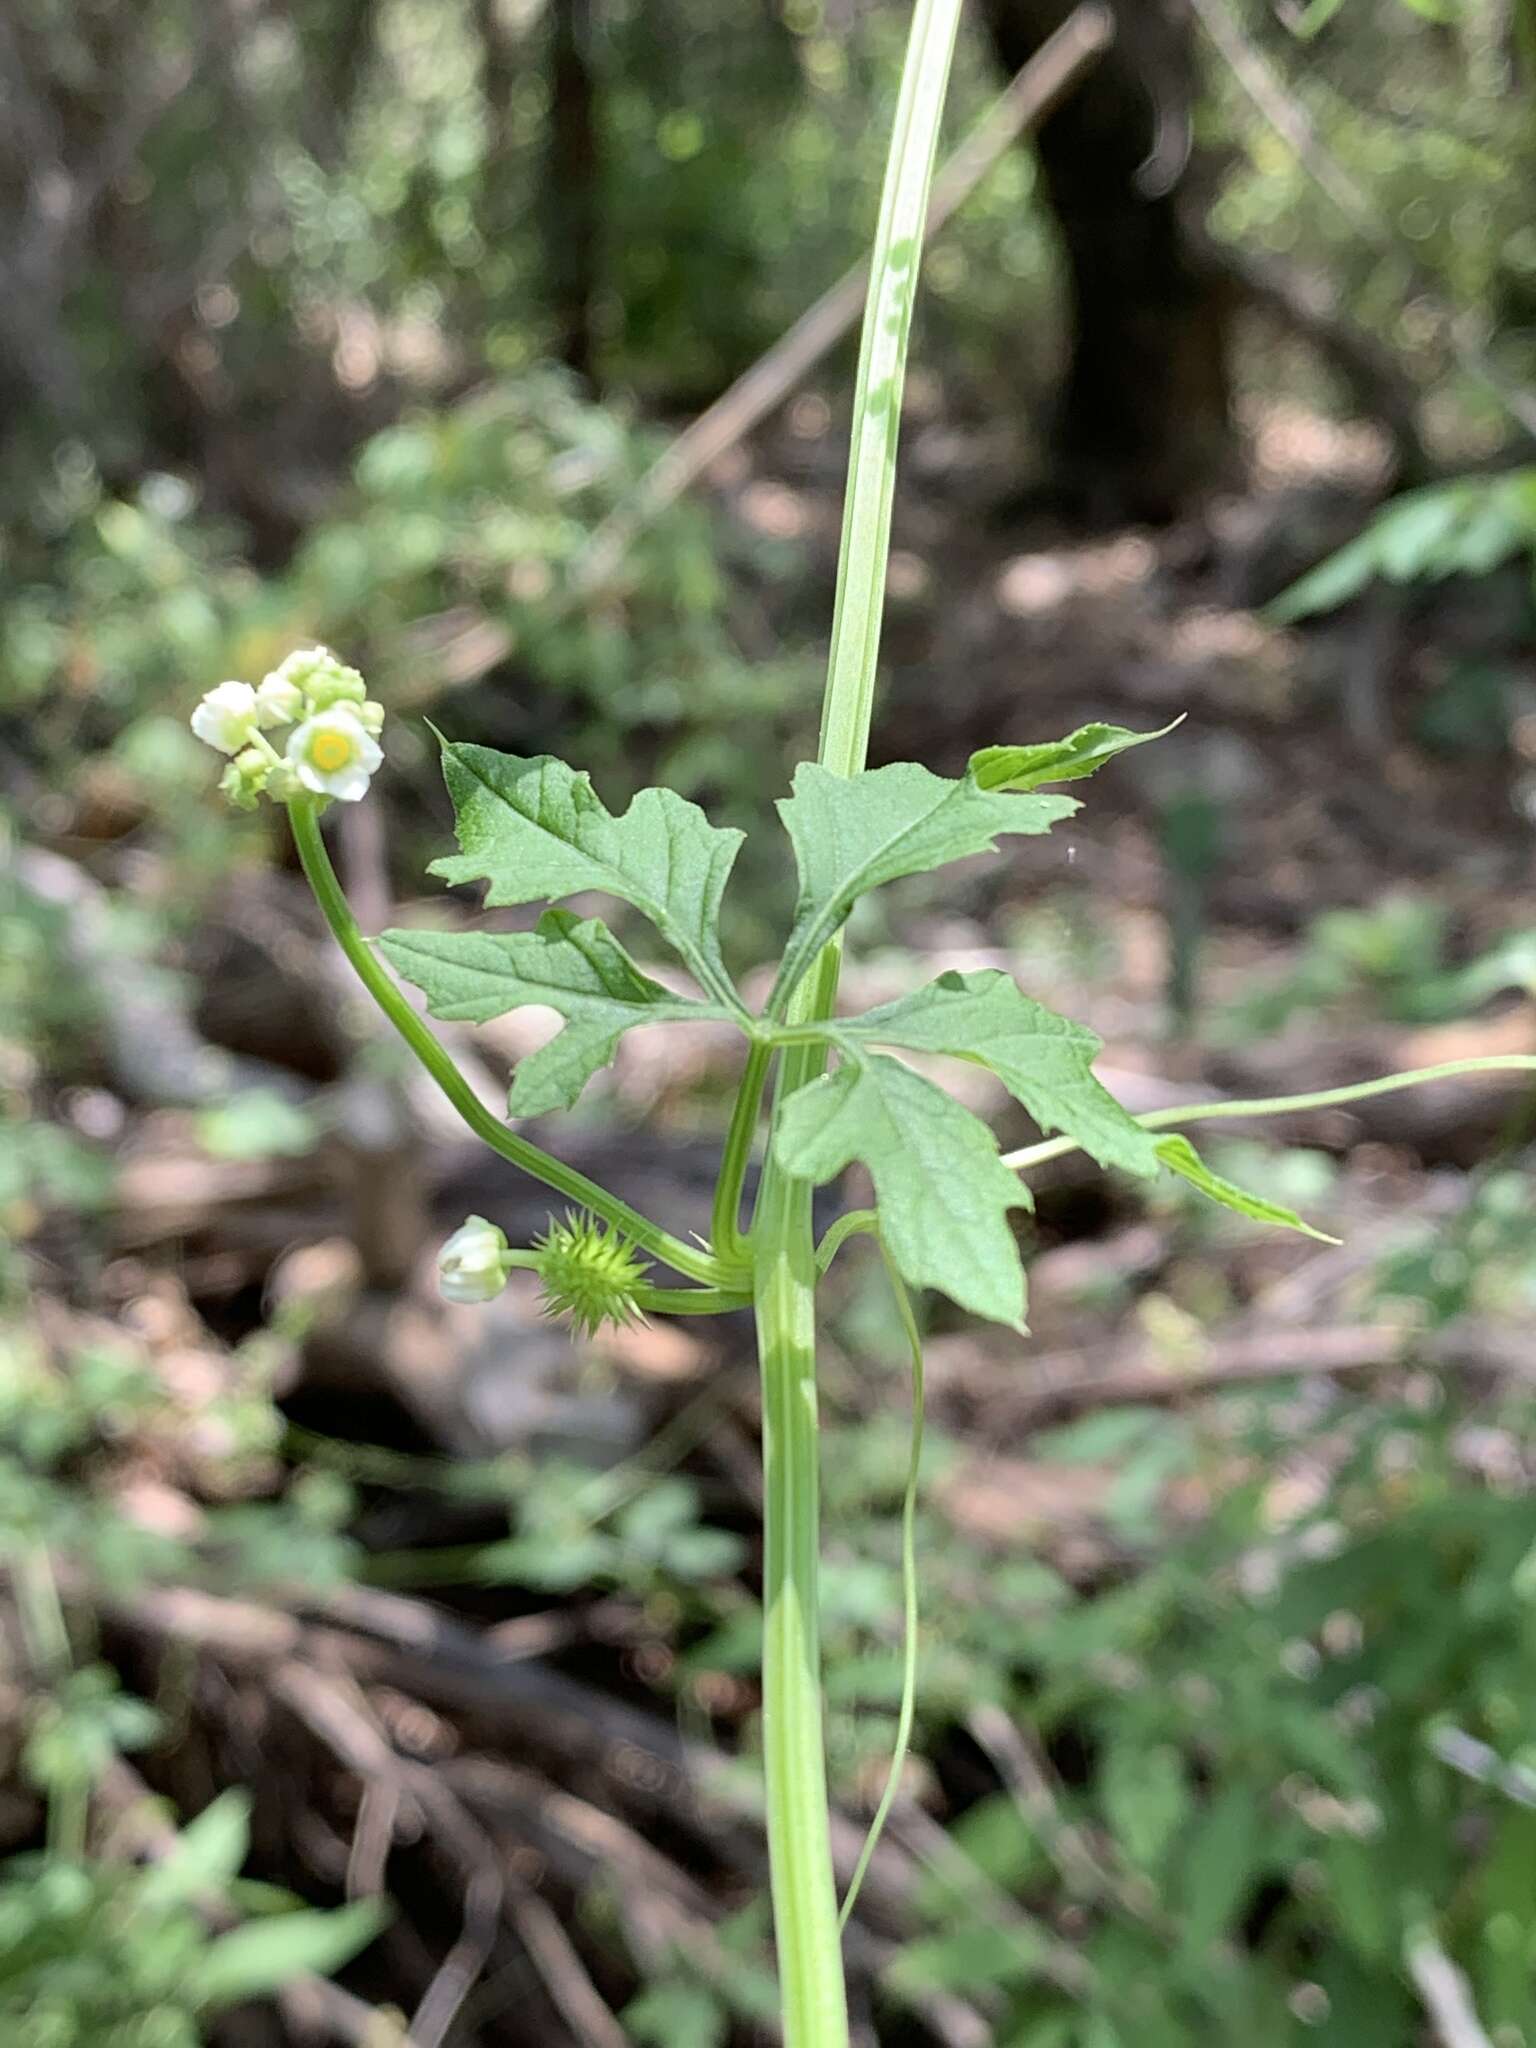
[(536, 832), (99, 1949), (454, 554), (118, 1955), (1468, 527), (1295, 1753), (1393, 961)]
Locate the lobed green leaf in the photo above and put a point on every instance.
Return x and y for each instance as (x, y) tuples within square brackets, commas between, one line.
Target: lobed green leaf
[(852, 833), (571, 965), (1043, 1060), (943, 1192), (1180, 1157), (534, 828), (1081, 753)]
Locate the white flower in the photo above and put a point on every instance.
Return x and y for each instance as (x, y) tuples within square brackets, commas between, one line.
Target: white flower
[(227, 717), (279, 701), (332, 755), (469, 1266)]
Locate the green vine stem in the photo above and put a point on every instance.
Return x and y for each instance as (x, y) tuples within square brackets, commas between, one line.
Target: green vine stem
[(794, 1766), (303, 813), (813, 1997), (1287, 1105), (689, 1301)]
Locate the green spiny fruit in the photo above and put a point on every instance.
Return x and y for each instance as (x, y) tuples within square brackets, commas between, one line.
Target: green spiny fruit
[(590, 1272)]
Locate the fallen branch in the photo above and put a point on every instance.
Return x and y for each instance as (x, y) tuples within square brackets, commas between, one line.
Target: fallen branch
[(1067, 1383), (333, 1709), (428, 1656)]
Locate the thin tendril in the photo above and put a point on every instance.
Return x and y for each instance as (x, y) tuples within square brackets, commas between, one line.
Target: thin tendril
[(851, 1225), (908, 1708)]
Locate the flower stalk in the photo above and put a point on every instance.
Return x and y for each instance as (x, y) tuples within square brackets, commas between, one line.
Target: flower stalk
[(688, 1259)]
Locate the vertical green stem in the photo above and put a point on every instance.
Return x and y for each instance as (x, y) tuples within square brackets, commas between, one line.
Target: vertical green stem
[(799, 1839)]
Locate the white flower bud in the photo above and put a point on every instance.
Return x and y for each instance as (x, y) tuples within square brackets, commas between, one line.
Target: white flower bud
[(370, 716), (332, 754), (278, 701), (323, 679), (245, 779), (336, 685), (227, 718), (469, 1266)]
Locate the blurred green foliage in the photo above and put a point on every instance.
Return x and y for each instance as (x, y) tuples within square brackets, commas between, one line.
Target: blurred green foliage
[(114, 1955), (1282, 1738), (1427, 117), (1293, 1742), (97, 1951), (453, 555), (1393, 960), (1270, 1729), (1466, 528)]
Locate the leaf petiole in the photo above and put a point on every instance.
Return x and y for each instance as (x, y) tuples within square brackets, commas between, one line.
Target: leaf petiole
[(690, 1301), (687, 1259)]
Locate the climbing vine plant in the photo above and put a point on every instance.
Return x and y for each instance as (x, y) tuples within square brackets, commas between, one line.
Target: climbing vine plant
[(536, 831)]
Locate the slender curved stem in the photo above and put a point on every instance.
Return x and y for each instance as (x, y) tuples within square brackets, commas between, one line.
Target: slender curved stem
[(565, 1180), (725, 1224), (909, 1619), (857, 1223), (690, 1301), (1287, 1105)]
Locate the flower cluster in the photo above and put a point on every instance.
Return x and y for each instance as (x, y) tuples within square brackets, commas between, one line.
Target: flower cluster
[(333, 749)]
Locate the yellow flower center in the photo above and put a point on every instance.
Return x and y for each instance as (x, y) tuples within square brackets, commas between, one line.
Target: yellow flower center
[(330, 751)]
